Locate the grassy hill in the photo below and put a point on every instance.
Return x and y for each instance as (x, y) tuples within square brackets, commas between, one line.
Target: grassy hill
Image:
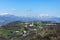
[(36, 30)]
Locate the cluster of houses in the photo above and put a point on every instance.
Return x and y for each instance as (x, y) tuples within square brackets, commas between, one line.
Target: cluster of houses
[(31, 25), (27, 25)]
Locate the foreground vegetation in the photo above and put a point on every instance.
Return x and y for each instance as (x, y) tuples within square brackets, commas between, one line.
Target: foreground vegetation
[(36, 30)]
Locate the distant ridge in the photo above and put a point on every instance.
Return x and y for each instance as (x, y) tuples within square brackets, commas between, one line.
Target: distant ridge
[(4, 19)]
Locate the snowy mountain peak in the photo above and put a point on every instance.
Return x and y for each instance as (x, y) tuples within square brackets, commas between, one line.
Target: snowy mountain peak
[(43, 15), (3, 14)]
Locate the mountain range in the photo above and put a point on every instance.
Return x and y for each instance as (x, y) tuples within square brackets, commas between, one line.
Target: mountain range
[(4, 19)]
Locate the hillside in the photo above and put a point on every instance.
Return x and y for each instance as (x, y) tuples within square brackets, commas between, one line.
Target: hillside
[(37, 30)]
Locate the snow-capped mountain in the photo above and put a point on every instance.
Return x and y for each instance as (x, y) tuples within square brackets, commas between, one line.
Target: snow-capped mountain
[(4, 19)]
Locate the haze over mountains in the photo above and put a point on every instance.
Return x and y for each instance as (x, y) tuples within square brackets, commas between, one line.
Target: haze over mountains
[(6, 18)]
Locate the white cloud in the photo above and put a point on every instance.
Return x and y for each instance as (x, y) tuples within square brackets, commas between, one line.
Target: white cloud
[(4, 13)]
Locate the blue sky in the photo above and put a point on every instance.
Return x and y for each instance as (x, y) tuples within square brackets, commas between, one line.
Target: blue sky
[(30, 7)]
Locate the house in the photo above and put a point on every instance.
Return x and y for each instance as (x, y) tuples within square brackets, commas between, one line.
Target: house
[(29, 24)]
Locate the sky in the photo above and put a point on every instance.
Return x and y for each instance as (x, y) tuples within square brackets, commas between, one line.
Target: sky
[(30, 7)]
